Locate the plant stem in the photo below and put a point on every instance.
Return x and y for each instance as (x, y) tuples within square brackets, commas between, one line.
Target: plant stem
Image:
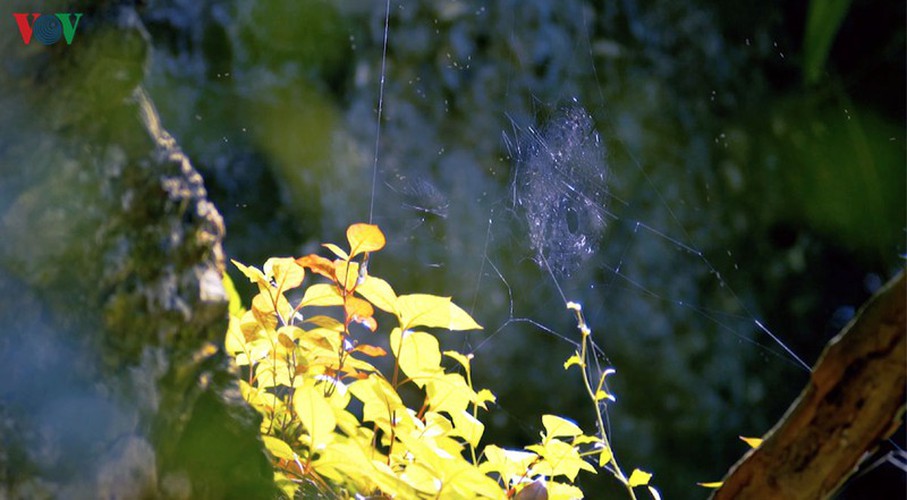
[(586, 333)]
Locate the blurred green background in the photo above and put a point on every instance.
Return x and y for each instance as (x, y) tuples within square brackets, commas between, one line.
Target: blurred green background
[(768, 138)]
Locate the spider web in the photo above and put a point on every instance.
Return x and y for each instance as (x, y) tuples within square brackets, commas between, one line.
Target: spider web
[(556, 231), (520, 154), (560, 183)]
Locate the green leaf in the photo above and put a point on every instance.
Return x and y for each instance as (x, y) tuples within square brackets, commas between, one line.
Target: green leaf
[(420, 309), (822, 23)]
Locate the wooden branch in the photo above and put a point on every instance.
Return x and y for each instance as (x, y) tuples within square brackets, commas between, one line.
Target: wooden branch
[(855, 399)]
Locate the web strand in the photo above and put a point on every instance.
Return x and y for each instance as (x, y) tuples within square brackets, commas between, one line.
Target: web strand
[(371, 203), (760, 326)]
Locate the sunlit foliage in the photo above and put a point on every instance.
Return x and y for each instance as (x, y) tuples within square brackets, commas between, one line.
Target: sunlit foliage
[(336, 424)]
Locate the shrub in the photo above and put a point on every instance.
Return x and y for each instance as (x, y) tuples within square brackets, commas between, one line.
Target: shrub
[(335, 425)]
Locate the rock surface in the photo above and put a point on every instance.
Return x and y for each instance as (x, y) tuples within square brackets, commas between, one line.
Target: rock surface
[(111, 302)]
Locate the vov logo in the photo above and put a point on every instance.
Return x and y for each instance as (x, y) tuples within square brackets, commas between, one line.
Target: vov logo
[(48, 29)]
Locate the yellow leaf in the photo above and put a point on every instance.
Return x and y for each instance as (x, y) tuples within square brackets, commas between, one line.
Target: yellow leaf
[(639, 478), (352, 461), (335, 392), (448, 392), (326, 322), (271, 373), (585, 439), (336, 250), (573, 360), (510, 464), (321, 294), (378, 292), (347, 274), (278, 448), (254, 275), (370, 350), (484, 396), (430, 310), (604, 458), (467, 427), (358, 308), (285, 272), (753, 442), (286, 486), (379, 399), (263, 306), (466, 481), (236, 308), (418, 354), (316, 416), (285, 341), (321, 338), (600, 395), (364, 238), (254, 352), (422, 479), (234, 342), (560, 459), (263, 310), (251, 328), (463, 359), (368, 322), (716, 484), (561, 491), (318, 264), (556, 427)]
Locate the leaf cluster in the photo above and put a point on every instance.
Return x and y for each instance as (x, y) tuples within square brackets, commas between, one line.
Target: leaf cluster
[(335, 423)]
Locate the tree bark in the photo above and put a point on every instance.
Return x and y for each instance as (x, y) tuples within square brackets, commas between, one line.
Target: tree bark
[(855, 400)]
